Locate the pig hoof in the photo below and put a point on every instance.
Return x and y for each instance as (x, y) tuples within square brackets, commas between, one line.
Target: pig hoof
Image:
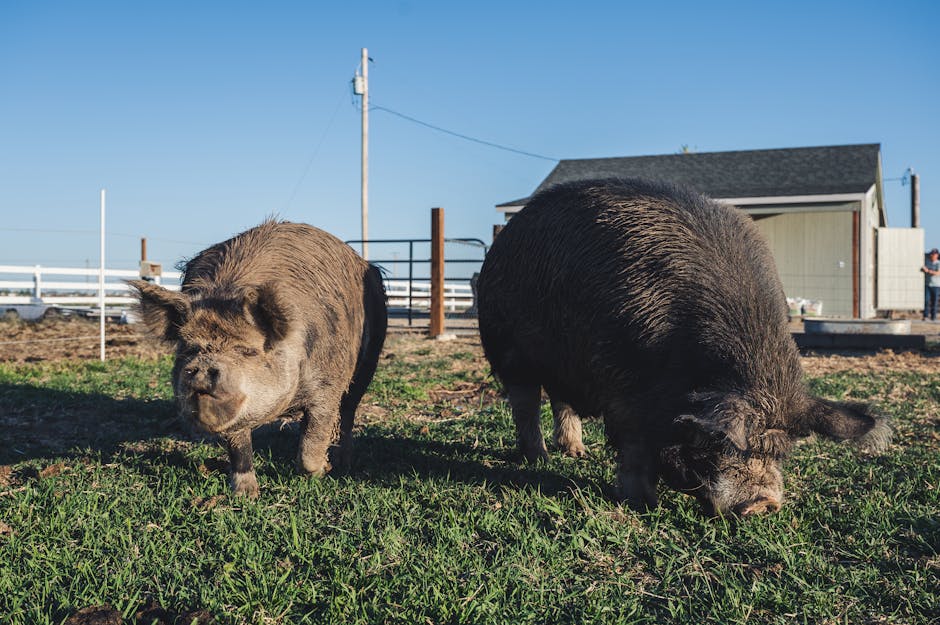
[(534, 454), (637, 493), (244, 484), (314, 469), (574, 450)]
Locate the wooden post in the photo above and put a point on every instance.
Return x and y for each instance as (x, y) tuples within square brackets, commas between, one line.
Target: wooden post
[(915, 201), (143, 249), (437, 272), (856, 258)]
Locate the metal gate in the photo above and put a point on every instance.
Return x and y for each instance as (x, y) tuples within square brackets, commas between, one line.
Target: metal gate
[(406, 271)]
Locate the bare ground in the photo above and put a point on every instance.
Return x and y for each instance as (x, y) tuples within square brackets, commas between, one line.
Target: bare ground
[(76, 338)]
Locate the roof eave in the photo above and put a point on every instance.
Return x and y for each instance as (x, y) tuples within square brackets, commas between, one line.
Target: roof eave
[(793, 199)]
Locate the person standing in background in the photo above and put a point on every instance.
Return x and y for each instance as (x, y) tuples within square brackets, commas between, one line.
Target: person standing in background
[(931, 270)]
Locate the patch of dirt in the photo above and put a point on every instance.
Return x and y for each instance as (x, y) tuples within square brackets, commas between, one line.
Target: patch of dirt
[(149, 614), (73, 338), (822, 363), (95, 615), (53, 470), (77, 338)]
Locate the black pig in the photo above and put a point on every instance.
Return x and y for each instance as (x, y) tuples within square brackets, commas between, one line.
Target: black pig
[(660, 311)]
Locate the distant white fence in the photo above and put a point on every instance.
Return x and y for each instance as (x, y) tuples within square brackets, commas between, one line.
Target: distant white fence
[(458, 296), (70, 286)]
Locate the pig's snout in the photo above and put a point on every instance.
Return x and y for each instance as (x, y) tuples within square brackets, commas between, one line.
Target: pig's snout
[(202, 380), (212, 399), (760, 505)]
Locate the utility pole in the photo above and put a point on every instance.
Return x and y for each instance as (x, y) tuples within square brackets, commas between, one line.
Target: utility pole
[(915, 200), (361, 88)]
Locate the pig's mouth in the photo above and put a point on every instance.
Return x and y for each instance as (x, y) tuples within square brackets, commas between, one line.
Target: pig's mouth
[(211, 410)]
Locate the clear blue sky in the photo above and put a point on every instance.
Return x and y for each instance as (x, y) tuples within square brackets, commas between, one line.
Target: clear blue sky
[(202, 118)]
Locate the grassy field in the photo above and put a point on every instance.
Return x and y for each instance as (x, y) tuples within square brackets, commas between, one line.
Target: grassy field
[(106, 500)]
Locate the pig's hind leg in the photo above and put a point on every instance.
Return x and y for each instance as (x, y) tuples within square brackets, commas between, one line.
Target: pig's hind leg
[(373, 337), (525, 400), (319, 431), (341, 452), (568, 430)]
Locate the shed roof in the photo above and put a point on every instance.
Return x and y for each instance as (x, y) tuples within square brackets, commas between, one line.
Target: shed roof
[(825, 170)]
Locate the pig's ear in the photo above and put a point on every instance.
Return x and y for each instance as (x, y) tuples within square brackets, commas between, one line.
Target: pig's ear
[(162, 311), (708, 432), (269, 311), (848, 421)]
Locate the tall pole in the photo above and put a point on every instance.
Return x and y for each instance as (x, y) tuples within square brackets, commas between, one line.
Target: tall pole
[(915, 201), (101, 284), (437, 272), (365, 153)]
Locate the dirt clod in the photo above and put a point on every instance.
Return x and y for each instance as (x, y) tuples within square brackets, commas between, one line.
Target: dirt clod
[(95, 615)]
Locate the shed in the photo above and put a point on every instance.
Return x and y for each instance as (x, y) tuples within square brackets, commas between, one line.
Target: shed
[(820, 208)]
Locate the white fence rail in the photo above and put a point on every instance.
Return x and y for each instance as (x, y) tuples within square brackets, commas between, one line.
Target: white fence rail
[(62, 285), (70, 286), (458, 296)]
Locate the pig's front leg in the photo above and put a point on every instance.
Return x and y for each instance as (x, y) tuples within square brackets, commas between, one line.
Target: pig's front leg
[(637, 475), (241, 475)]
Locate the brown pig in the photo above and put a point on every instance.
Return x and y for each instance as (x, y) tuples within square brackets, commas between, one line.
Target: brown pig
[(660, 311), (281, 319)]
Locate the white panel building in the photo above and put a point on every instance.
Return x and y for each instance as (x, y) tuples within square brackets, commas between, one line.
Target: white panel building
[(821, 209)]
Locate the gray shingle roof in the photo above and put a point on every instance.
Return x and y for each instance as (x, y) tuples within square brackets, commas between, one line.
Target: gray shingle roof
[(746, 173)]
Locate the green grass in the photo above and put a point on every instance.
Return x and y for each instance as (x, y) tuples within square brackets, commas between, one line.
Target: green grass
[(107, 501)]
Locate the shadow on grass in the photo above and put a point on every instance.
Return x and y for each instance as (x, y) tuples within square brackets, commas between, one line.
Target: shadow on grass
[(38, 422), (382, 460), (42, 423)]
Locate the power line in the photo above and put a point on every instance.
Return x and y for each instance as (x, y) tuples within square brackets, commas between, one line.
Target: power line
[(462, 136), (96, 232), (316, 152)]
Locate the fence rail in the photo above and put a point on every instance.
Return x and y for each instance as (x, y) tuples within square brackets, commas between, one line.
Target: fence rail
[(458, 296), (39, 290)]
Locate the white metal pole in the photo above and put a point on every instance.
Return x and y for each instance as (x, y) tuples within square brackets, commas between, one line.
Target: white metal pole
[(101, 282), (365, 153)]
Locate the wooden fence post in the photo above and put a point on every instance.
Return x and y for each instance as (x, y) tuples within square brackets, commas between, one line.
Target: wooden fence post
[(437, 272)]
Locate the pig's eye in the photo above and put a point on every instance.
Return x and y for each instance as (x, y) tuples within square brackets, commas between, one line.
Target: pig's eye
[(247, 351)]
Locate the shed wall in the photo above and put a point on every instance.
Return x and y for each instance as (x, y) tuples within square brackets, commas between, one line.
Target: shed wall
[(813, 252)]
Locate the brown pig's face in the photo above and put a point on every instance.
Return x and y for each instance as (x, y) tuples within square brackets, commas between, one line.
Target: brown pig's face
[(232, 369), (229, 380)]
